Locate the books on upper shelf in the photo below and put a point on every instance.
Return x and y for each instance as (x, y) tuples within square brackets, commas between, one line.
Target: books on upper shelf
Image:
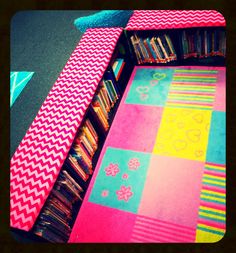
[(104, 100), (203, 43), (153, 49), (117, 67)]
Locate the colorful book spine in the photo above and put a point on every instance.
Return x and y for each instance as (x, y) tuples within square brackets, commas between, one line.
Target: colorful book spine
[(154, 55)]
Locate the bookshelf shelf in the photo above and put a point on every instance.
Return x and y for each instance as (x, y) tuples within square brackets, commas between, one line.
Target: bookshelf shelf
[(175, 36)]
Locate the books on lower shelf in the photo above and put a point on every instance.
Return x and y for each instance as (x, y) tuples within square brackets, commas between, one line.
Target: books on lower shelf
[(153, 49), (202, 43), (54, 222), (104, 100)]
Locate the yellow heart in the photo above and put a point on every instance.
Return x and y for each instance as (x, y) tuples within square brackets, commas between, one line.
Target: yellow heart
[(193, 135), (198, 118), (198, 153), (180, 145)]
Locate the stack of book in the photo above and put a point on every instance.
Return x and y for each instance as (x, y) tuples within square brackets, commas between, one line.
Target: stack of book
[(203, 43), (104, 100), (82, 151), (54, 221), (117, 67), (153, 50)]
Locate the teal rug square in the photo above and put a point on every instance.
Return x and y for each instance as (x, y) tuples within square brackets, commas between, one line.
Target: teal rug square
[(216, 150), (150, 86), (120, 180)]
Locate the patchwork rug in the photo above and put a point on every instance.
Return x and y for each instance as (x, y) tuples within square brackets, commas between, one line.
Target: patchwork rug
[(161, 173)]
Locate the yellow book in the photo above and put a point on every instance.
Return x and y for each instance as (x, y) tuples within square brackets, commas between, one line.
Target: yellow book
[(91, 128), (90, 137), (101, 117)]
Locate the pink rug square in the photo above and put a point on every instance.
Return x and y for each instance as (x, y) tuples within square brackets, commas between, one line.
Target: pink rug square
[(172, 190), (96, 223), (135, 127)]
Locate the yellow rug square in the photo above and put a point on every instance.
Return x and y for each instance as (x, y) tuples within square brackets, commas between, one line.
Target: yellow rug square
[(183, 133)]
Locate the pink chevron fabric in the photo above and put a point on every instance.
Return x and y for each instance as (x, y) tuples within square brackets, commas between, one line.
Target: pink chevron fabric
[(37, 161), (168, 19)]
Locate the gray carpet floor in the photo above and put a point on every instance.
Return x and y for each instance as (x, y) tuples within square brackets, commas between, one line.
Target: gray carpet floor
[(41, 42)]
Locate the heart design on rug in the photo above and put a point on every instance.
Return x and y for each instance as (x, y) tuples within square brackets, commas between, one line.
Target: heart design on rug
[(180, 145), (142, 89), (199, 153), (159, 76), (193, 135), (143, 96), (198, 118), (154, 82)]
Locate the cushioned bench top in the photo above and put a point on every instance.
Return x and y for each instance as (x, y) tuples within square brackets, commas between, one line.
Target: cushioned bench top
[(169, 19), (37, 161)]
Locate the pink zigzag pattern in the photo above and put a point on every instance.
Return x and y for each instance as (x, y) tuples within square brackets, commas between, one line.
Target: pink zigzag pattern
[(167, 19), (40, 155)]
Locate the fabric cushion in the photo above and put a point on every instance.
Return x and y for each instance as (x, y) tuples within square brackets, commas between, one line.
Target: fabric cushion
[(107, 18)]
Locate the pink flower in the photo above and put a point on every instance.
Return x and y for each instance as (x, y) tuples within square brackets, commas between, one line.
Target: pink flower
[(124, 193), (112, 169), (125, 176), (105, 193), (133, 164)]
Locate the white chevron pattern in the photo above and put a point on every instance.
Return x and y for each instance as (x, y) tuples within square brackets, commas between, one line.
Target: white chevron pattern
[(39, 157), (168, 19)]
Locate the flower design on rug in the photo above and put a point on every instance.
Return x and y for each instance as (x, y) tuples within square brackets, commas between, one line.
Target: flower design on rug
[(125, 176), (133, 164), (124, 193), (105, 193), (112, 169)]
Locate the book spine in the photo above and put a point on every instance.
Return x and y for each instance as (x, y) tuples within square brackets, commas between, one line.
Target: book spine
[(171, 48), (163, 49), (150, 56), (138, 56), (166, 47), (154, 47)]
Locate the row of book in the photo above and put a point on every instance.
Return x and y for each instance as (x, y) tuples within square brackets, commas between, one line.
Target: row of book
[(203, 43), (104, 101), (153, 50), (82, 151), (54, 222)]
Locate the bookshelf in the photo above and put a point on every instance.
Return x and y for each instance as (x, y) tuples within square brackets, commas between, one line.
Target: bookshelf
[(114, 87), (108, 58), (190, 46)]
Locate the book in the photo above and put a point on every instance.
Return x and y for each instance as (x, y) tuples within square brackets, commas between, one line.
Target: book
[(152, 50), (117, 67)]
